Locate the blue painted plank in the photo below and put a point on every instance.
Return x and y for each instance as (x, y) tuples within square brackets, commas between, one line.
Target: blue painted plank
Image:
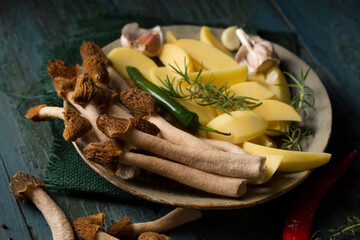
[(25, 145), (10, 214)]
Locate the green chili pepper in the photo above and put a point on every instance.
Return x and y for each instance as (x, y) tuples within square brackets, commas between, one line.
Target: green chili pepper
[(189, 120)]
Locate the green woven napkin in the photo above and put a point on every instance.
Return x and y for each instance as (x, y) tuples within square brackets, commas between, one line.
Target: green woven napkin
[(66, 170)]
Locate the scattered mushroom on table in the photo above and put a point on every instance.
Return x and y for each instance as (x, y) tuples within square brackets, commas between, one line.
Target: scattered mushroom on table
[(26, 187), (125, 229), (91, 228)]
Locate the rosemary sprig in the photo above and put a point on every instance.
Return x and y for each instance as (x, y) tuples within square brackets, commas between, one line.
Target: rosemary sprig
[(292, 136), (294, 133), (205, 93), (351, 228), (302, 96)]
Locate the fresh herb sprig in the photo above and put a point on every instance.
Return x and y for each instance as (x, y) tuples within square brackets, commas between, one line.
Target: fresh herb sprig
[(292, 136), (351, 228), (294, 133), (205, 93), (302, 96)]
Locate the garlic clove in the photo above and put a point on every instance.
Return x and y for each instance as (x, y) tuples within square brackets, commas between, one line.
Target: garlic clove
[(146, 41)]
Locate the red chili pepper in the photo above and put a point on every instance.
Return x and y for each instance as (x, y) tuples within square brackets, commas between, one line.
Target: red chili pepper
[(300, 218)]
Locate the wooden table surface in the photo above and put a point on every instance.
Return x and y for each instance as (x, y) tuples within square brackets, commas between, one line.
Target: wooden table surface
[(329, 41)]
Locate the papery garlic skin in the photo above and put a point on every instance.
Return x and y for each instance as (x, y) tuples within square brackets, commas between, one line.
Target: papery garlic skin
[(146, 41)]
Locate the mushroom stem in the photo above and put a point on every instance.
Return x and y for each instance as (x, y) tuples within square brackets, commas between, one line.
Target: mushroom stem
[(111, 153), (100, 235), (225, 146), (58, 223), (205, 181), (223, 163), (75, 125), (173, 219), (23, 186), (124, 229)]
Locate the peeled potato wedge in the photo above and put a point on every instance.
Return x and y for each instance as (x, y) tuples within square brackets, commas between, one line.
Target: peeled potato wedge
[(264, 140), (292, 161), (170, 37), (243, 126), (230, 76), (252, 89), (207, 36), (272, 164), (173, 55), (210, 57), (123, 57), (274, 110)]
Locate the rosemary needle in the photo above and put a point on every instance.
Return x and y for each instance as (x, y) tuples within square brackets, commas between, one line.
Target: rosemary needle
[(205, 93)]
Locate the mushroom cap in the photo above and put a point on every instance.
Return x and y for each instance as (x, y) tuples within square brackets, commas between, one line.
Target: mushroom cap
[(105, 153), (75, 125), (113, 127), (33, 113), (139, 103), (96, 68), (153, 236), (87, 227), (59, 68), (145, 126), (122, 229), (22, 182), (63, 85), (90, 48), (88, 92)]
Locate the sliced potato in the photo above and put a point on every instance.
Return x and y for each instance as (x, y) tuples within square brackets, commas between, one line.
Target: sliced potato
[(123, 57), (219, 77), (170, 37), (293, 161), (207, 36), (252, 89), (172, 54), (243, 126), (274, 110), (211, 57)]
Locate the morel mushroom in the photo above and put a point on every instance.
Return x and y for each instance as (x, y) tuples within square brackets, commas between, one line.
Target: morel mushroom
[(148, 42), (59, 68), (97, 69), (112, 153), (223, 163), (91, 49), (258, 55), (91, 228), (124, 229), (24, 186), (75, 125)]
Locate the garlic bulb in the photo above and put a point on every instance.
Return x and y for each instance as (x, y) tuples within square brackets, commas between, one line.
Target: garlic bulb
[(257, 53)]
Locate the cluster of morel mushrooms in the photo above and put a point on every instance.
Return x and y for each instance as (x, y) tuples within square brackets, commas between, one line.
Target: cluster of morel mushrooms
[(119, 128)]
